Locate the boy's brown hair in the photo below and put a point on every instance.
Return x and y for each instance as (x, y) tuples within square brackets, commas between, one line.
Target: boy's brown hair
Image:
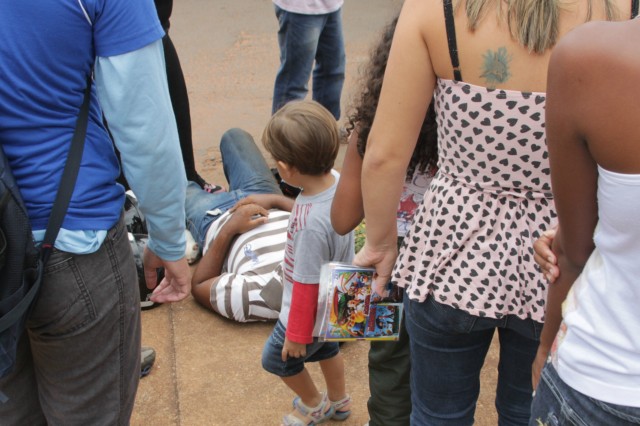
[(303, 134)]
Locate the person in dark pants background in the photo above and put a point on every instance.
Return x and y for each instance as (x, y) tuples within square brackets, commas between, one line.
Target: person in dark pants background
[(179, 97)]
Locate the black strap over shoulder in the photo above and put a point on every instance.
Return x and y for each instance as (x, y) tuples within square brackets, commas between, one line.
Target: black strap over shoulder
[(451, 39), (69, 176), (58, 212), (451, 34)]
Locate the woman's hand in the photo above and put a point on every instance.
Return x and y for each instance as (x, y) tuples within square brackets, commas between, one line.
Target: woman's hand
[(545, 257), (538, 364), (382, 259)]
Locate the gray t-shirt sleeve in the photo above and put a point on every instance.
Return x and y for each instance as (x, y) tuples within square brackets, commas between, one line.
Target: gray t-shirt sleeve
[(311, 250)]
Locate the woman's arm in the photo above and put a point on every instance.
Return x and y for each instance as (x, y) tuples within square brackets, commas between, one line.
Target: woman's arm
[(574, 177), (406, 92), (346, 209)]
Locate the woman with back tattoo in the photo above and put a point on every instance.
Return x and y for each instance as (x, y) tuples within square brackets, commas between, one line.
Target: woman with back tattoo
[(467, 262)]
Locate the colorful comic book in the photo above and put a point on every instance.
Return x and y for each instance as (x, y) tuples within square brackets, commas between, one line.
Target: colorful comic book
[(352, 310)]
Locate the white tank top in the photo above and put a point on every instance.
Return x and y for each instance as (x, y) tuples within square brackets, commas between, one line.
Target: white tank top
[(599, 355)]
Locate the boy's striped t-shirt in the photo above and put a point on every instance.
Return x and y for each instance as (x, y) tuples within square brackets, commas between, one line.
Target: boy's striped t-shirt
[(250, 285)]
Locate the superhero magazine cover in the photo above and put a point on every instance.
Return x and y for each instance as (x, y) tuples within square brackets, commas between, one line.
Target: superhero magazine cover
[(352, 310)]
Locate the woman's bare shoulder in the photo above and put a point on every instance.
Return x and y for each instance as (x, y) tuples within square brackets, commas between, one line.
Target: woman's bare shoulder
[(596, 42)]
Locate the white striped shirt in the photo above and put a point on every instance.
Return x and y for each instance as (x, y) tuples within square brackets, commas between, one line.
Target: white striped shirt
[(250, 286)]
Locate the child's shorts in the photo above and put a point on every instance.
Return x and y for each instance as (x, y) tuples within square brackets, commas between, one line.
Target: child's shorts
[(272, 353)]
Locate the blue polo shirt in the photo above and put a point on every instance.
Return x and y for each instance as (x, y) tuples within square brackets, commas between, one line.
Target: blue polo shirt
[(47, 50)]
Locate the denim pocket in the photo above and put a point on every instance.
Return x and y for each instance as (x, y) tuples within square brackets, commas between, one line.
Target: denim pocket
[(64, 304), (278, 334), (438, 319)]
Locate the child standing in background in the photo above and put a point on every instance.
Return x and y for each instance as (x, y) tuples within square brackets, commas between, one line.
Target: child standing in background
[(389, 362), (302, 137)]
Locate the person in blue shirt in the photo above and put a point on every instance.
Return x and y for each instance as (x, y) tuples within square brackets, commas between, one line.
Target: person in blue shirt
[(79, 359)]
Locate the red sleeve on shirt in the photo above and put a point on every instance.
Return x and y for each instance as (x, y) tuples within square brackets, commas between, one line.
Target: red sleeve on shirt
[(302, 313)]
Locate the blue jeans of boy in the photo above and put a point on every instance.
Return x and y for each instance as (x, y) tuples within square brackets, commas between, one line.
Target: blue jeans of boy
[(304, 39), (272, 353), (558, 404), (247, 173), (448, 349)]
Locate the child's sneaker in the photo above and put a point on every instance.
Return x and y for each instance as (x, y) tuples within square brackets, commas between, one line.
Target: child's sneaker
[(312, 415), (341, 408), (192, 250)]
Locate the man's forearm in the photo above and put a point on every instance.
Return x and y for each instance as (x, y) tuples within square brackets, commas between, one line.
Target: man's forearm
[(133, 93), (283, 203), (210, 266)]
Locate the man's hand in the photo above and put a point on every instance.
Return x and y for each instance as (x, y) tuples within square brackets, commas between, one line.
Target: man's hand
[(544, 256), (293, 350), (246, 217), (176, 284)]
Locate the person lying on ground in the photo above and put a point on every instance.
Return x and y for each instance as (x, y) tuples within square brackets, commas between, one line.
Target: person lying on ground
[(242, 233)]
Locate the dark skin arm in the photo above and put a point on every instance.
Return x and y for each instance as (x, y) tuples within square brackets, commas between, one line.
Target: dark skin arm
[(574, 178), (244, 218), (586, 128), (347, 210), (266, 201)]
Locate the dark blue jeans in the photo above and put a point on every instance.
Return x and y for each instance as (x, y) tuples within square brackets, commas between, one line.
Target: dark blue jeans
[(304, 39), (557, 404), (272, 353), (247, 173), (448, 348)]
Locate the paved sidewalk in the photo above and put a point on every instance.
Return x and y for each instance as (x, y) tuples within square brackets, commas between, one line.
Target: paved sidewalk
[(208, 372), (208, 369)]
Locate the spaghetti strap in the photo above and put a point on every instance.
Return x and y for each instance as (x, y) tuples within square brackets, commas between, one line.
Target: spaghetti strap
[(451, 39), (453, 45)]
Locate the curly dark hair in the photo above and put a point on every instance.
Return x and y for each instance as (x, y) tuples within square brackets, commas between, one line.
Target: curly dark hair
[(425, 155)]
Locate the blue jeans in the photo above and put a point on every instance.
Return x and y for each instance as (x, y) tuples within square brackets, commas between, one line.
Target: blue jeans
[(247, 173), (272, 353), (557, 404), (304, 39), (79, 359), (448, 348)]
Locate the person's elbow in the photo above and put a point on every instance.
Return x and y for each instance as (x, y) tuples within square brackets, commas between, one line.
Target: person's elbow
[(342, 222), (573, 258), (341, 227)]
